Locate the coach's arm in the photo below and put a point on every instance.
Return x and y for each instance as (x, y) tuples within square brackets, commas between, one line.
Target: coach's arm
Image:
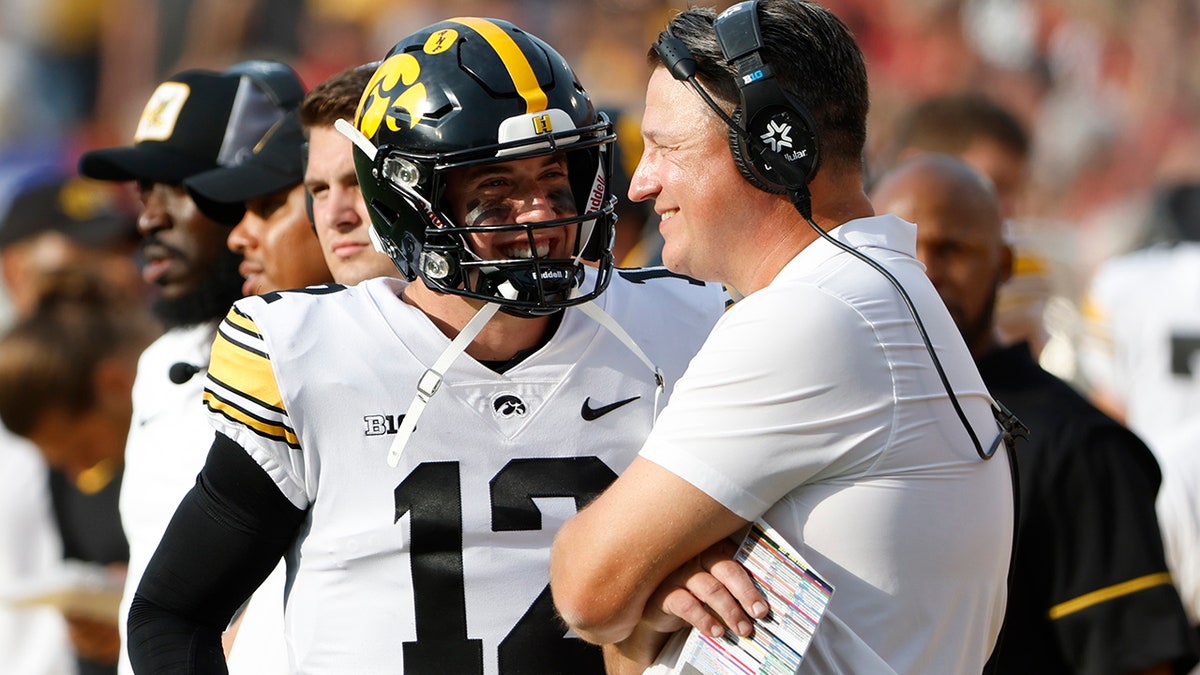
[(643, 559)]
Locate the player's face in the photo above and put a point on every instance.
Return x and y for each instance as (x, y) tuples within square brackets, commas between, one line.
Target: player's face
[(521, 191), (339, 213), (277, 244), (180, 244), (687, 170)]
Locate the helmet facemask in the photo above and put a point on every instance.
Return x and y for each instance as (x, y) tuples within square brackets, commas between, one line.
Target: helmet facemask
[(448, 261), (472, 92)]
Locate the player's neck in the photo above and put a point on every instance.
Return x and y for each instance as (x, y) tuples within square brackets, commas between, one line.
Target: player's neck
[(503, 336)]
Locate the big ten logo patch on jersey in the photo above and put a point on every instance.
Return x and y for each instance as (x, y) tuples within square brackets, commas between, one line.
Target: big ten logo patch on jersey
[(381, 425), (392, 88), (162, 112)]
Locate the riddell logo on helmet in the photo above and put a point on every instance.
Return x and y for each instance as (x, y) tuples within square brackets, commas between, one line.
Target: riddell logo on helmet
[(552, 275), (596, 198), (433, 217)]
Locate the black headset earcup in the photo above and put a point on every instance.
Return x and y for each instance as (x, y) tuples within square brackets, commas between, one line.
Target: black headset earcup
[(744, 160)]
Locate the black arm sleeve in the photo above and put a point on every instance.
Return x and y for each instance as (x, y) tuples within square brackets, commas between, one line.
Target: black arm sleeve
[(227, 535)]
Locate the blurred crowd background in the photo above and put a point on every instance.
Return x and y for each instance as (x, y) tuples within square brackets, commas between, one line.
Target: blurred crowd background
[(1105, 88)]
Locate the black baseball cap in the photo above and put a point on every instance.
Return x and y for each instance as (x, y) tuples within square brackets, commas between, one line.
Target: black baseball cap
[(86, 211), (275, 163), (199, 120)]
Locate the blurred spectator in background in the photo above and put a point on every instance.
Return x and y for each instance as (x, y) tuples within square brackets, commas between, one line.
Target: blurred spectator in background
[(339, 214), (60, 233), (58, 223), (34, 639), (196, 121), (1141, 352), (1090, 591), (991, 139), (1179, 514), (66, 374)]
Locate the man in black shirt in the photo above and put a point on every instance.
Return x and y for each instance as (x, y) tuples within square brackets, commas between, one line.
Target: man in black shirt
[(1090, 591)]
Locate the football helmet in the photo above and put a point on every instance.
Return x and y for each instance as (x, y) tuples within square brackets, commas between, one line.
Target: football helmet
[(467, 92)]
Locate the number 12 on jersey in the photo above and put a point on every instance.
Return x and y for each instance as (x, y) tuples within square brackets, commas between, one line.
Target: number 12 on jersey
[(431, 496)]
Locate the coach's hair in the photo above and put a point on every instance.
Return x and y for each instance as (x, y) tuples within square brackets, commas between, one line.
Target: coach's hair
[(815, 58)]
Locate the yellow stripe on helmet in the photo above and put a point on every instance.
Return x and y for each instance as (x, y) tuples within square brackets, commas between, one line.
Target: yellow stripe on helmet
[(514, 60)]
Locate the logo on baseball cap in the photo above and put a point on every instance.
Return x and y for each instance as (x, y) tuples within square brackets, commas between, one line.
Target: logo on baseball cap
[(275, 163), (199, 120)]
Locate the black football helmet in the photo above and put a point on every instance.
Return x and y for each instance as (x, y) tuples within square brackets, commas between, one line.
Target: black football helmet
[(472, 91)]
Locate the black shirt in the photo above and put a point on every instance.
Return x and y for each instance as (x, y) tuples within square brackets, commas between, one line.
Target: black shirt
[(1090, 588)]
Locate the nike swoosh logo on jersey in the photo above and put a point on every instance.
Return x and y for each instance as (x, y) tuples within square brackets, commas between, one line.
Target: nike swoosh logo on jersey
[(589, 413)]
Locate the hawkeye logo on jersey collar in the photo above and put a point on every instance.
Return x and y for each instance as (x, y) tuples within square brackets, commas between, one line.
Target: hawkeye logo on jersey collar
[(507, 406)]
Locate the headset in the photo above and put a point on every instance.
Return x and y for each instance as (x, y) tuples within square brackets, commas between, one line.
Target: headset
[(772, 136), (774, 143)]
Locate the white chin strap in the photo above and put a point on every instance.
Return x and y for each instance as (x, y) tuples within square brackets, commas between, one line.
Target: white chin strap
[(431, 381)]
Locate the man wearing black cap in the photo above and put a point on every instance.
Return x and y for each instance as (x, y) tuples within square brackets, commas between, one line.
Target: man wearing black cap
[(194, 122), (279, 251), (275, 237), (57, 224)]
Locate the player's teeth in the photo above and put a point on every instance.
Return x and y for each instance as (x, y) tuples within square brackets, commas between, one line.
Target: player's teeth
[(543, 250)]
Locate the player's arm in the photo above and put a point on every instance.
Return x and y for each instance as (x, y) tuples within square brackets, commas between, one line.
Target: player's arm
[(227, 535), (642, 558)]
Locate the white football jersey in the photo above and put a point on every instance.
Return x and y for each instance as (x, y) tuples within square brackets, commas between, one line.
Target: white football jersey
[(439, 564), (1143, 341)]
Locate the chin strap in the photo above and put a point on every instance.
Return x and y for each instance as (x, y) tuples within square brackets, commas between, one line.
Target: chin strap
[(610, 324), (431, 381)]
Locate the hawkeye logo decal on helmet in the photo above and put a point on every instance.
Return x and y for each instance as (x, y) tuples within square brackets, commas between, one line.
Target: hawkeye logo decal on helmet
[(441, 41), (392, 87), (162, 112)]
